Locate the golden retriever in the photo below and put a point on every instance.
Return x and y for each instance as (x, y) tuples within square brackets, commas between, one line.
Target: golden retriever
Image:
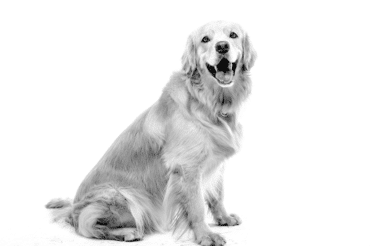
[(165, 169)]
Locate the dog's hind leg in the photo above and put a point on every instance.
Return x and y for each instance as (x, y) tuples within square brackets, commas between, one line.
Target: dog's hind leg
[(110, 213), (103, 221)]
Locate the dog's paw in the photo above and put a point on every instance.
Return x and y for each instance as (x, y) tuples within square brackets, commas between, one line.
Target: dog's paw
[(211, 239), (124, 234), (133, 236), (230, 220)]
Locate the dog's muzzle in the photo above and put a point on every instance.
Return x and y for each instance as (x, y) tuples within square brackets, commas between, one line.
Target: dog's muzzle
[(223, 72)]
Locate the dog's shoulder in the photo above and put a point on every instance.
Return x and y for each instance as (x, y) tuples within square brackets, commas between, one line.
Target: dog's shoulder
[(175, 93), (161, 113)]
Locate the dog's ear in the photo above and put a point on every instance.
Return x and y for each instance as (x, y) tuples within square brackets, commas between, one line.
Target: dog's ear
[(189, 63), (249, 54)]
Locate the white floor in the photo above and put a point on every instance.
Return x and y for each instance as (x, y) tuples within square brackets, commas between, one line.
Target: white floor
[(45, 232)]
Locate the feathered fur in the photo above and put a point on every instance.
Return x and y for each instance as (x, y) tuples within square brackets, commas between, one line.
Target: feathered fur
[(161, 169)]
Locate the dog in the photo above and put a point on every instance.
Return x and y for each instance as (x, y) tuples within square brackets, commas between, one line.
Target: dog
[(167, 167)]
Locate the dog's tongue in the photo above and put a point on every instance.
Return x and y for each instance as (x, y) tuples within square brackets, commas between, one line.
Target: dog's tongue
[(224, 70), (224, 77)]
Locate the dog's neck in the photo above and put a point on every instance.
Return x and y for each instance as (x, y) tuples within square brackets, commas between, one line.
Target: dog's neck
[(219, 102)]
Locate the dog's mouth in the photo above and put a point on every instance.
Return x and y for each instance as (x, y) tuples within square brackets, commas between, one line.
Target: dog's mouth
[(223, 72)]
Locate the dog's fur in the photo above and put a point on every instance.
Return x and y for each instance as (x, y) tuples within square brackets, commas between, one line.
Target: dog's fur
[(164, 169)]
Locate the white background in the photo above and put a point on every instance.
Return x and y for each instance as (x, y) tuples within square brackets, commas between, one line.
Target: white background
[(74, 74)]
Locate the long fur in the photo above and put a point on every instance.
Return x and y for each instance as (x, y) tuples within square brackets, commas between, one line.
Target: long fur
[(160, 170)]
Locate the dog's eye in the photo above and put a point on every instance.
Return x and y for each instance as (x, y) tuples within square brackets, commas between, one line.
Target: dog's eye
[(233, 35), (205, 39)]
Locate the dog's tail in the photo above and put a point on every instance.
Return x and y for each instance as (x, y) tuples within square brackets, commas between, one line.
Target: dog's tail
[(62, 209)]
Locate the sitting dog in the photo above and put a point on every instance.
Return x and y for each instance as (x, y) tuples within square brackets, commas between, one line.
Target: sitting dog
[(165, 169)]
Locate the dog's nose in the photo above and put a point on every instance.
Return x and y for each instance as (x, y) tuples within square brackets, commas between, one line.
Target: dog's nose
[(222, 47)]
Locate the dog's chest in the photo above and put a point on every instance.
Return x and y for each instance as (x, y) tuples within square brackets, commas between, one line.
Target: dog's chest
[(224, 139), (199, 141)]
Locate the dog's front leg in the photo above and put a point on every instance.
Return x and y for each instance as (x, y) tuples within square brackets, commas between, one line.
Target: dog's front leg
[(216, 206), (185, 194)]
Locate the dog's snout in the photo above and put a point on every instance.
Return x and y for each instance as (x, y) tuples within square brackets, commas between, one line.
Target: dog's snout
[(222, 47)]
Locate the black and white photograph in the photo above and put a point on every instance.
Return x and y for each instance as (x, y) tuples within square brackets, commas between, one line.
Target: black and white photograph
[(185, 123)]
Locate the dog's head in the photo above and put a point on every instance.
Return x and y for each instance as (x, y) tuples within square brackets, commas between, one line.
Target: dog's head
[(218, 50)]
